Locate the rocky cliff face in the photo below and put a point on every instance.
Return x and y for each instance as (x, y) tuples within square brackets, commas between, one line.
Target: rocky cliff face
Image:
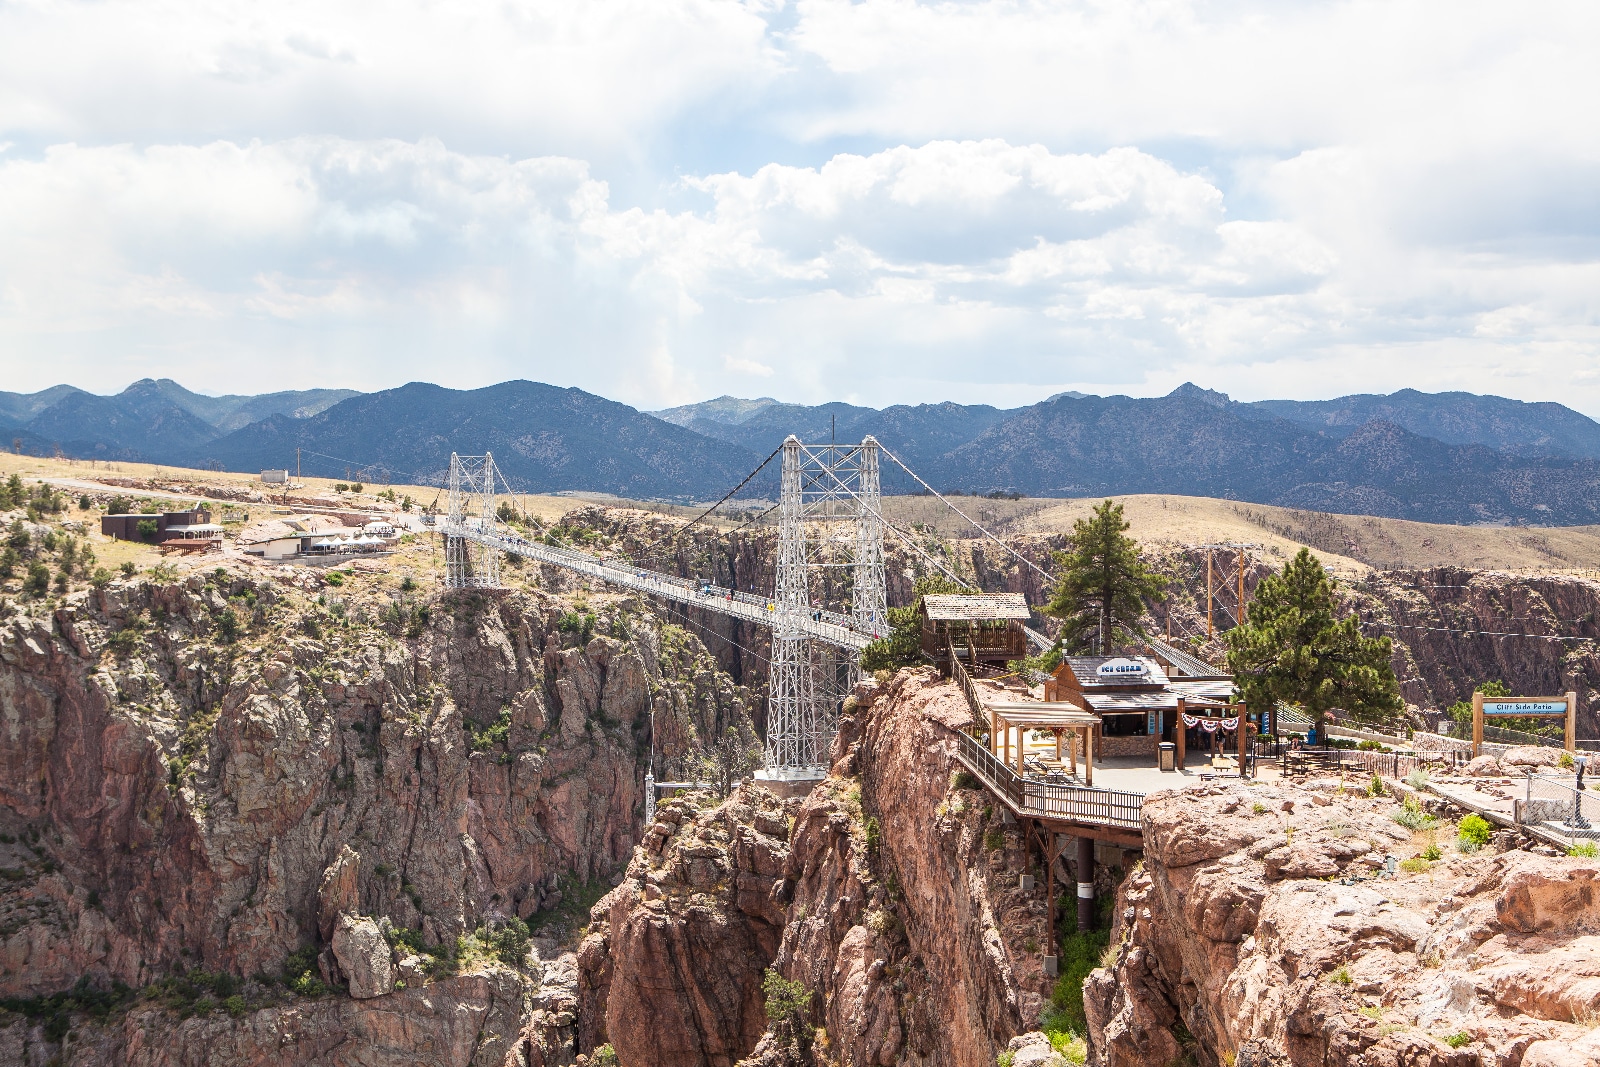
[(893, 898), (210, 783), (1257, 933)]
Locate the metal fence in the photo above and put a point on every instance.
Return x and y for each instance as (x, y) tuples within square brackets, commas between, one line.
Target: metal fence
[(1555, 804), (1028, 796)]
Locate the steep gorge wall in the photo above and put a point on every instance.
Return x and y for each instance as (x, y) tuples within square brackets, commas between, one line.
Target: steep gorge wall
[(204, 775), (893, 897)]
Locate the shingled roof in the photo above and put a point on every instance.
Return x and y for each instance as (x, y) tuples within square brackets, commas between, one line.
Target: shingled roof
[(975, 607)]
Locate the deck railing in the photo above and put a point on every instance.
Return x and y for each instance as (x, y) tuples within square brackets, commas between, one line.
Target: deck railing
[(1031, 797), (968, 689)]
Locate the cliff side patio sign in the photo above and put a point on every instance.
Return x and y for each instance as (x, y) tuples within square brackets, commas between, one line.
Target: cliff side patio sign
[(1562, 707)]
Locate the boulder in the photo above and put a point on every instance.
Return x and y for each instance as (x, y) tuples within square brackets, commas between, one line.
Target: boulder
[(1484, 767), (1033, 1050), (363, 956), (1531, 756), (337, 892)]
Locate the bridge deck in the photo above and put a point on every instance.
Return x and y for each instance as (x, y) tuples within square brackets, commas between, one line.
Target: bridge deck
[(831, 627)]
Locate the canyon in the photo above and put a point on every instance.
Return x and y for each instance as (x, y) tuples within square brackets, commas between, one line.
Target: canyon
[(257, 815)]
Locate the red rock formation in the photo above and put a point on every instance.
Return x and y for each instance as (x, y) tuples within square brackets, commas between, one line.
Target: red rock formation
[(171, 800), (895, 900), (1233, 932)]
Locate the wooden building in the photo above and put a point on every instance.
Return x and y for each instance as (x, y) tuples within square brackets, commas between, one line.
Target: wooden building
[(195, 525), (1137, 702), (983, 627)]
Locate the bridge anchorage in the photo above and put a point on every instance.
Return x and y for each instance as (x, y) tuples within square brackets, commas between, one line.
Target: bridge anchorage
[(816, 652)]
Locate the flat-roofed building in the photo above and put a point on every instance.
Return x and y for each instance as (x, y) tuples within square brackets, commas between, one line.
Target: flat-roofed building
[(193, 525)]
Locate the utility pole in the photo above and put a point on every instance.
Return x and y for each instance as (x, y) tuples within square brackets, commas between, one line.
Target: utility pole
[(297, 464), (1210, 628), (1240, 620)]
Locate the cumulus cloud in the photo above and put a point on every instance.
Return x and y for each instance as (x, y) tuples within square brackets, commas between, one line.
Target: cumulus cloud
[(887, 199)]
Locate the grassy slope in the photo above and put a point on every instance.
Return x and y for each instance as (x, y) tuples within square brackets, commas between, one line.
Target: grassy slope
[(1347, 543)]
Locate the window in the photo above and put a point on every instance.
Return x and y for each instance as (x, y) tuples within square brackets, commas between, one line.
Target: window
[(1131, 724)]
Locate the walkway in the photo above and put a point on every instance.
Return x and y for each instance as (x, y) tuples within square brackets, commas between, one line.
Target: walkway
[(829, 627)]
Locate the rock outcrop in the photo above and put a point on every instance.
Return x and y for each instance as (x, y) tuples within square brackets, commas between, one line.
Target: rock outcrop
[(1261, 930), (219, 775), (895, 900)]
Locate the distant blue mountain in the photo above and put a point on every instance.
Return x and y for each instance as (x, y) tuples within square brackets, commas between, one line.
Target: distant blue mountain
[(1438, 457)]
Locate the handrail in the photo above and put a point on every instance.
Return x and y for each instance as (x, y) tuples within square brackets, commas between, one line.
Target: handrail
[(1026, 796), (829, 627), (968, 688)]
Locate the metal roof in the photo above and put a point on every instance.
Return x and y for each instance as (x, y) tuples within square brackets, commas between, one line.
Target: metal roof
[(1043, 713), (1185, 664), (1086, 670), (975, 607)]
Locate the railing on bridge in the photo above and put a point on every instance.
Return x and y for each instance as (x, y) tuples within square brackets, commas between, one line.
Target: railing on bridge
[(968, 689), (1045, 800), (829, 627)]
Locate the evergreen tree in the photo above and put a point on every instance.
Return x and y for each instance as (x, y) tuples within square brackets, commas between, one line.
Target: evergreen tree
[(1101, 594), (1294, 649), (903, 646)]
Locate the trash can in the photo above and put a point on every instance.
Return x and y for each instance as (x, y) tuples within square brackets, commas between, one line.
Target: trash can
[(1168, 760)]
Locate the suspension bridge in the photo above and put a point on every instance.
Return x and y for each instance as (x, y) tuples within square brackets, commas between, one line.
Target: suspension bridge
[(815, 651)]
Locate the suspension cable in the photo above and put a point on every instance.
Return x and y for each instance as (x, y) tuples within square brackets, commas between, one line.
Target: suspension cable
[(726, 497), (889, 525), (1015, 554)]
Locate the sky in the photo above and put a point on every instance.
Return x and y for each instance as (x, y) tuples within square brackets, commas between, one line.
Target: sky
[(880, 201)]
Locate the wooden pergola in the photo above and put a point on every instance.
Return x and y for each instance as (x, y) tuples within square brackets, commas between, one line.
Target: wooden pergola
[(1059, 717)]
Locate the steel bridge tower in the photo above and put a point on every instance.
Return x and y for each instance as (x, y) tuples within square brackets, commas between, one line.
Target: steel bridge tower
[(809, 680), (470, 564)]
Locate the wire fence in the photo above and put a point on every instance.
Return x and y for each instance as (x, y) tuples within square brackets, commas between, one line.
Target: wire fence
[(1557, 805)]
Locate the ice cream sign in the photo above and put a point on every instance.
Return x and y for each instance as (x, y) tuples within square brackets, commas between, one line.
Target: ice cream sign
[(1113, 670)]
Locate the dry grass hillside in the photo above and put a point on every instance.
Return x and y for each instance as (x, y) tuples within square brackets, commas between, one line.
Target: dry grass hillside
[(1347, 543)]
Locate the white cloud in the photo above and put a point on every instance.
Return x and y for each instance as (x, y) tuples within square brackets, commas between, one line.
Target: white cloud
[(1285, 198)]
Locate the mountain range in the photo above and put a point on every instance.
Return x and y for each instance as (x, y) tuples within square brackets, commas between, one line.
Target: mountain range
[(1438, 457)]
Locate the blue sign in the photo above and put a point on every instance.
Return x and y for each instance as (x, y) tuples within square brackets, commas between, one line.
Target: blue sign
[(1524, 707)]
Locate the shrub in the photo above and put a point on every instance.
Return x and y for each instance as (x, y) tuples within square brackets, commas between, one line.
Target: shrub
[(1584, 850), (84, 503), (994, 839), (1566, 762), (1341, 976), (119, 505), (1410, 815), (1005, 1058), (1459, 1039), (1414, 865), (37, 583), (228, 627), (300, 973), (788, 1006), (357, 487), (872, 834), (407, 584), (147, 529), (1369, 746), (1080, 954), (1433, 853), (1417, 778), (1375, 787), (604, 1056), (8, 562), (1474, 829), (508, 942), (127, 568), (333, 578)]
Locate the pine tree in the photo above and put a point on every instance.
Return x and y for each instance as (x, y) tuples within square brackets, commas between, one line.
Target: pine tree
[(1294, 649), (1101, 594), (903, 645)]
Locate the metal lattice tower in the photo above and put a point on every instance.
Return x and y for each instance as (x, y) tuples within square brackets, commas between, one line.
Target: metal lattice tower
[(808, 680), (471, 564)]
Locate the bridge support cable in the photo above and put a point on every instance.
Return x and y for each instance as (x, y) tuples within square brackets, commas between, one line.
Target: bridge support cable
[(1014, 553), (471, 563), (1039, 641)]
